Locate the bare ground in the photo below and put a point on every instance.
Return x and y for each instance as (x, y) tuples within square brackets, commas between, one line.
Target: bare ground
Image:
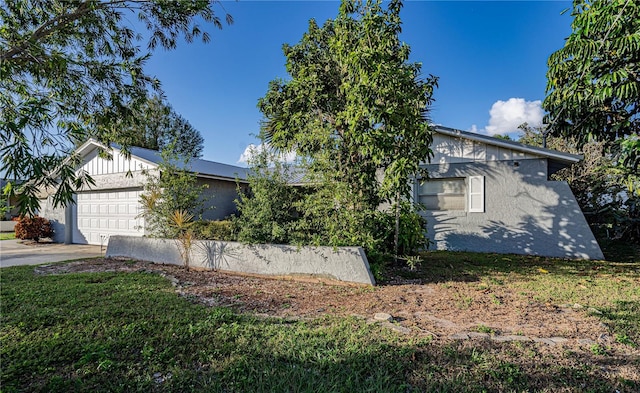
[(456, 314), (442, 310)]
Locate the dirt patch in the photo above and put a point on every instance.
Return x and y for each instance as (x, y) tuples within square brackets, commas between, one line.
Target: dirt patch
[(447, 311)]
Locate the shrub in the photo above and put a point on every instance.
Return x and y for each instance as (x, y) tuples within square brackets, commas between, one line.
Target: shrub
[(215, 230), (412, 235), (34, 228)]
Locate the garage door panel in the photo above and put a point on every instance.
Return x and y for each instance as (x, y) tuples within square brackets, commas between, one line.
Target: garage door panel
[(107, 213)]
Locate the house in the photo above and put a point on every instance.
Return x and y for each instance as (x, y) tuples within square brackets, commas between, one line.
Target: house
[(10, 204), (112, 206), (492, 195)]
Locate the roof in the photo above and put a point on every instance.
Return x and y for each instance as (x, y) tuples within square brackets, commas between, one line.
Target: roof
[(204, 168), (557, 159)]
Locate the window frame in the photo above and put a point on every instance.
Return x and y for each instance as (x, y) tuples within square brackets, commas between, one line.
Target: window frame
[(474, 193), (443, 179)]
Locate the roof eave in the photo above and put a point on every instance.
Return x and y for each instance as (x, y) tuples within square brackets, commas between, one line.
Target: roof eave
[(567, 158)]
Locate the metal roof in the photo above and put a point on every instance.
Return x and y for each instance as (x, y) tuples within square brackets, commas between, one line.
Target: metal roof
[(204, 168)]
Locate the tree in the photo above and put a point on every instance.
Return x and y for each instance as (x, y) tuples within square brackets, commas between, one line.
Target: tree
[(156, 125), (267, 212), (171, 195), (69, 66), (355, 112), (593, 82)]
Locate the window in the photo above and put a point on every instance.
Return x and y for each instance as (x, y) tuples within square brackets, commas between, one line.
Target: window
[(443, 194), (458, 194)]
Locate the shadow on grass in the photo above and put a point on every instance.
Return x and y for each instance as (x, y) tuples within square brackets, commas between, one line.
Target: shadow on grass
[(237, 354), (620, 251), (131, 332), (447, 266)]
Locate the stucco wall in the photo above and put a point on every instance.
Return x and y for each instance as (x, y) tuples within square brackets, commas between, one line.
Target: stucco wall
[(57, 217), (220, 196), (524, 214), (348, 264)]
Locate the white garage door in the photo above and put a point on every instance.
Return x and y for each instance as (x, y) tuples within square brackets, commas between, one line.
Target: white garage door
[(101, 214)]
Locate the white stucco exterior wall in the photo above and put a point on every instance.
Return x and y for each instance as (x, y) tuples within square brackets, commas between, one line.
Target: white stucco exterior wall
[(524, 213)]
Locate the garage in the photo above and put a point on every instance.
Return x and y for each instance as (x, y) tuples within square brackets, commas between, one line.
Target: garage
[(111, 204), (100, 214)]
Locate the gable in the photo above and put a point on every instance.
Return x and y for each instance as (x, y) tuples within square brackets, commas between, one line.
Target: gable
[(93, 164), (449, 149), (456, 146)]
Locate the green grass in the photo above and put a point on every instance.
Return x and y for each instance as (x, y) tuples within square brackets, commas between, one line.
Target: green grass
[(119, 332), (132, 332), (7, 235), (611, 288)]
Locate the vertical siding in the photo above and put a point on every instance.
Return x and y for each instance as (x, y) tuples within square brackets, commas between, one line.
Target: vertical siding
[(96, 165)]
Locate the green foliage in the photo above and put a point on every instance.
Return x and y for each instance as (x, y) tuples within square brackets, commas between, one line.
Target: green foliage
[(170, 189), (412, 230), (267, 212), (355, 113), (4, 205), (33, 228), (70, 66), (215, 230), (277, 212), (155, 125), (607, 193), (593, 83)]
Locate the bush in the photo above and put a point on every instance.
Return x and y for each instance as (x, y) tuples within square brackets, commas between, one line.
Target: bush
[(412, 236), (34, 228), (215, 230)]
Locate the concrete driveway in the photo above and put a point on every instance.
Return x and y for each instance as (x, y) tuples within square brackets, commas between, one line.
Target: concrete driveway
[(14, 252)]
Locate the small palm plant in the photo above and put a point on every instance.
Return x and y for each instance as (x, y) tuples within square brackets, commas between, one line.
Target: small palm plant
[(181, 222)]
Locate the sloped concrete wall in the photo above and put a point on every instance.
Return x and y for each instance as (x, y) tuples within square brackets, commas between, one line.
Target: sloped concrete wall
[(347, 264)]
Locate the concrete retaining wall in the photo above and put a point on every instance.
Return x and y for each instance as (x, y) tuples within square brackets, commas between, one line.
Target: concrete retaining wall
[(348, 264), (7, 226)]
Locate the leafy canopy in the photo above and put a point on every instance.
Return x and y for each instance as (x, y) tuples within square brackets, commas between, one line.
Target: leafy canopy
[(354, 104), (354, 111), (156, 124), (172, 196), (593, 88), (69, 66)]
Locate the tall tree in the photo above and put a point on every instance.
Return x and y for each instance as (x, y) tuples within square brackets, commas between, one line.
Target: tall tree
[(593, 88), (355, 109), (68, 66), (156, 124)]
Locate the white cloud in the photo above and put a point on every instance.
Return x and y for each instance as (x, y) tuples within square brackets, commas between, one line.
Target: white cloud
[(252, 149), (506, 116)]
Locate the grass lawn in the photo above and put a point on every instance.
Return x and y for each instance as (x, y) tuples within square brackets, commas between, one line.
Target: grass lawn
[(7, 235), (132, 332)]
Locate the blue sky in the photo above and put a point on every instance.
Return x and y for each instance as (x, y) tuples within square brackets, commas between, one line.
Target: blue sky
[(490, 58)]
